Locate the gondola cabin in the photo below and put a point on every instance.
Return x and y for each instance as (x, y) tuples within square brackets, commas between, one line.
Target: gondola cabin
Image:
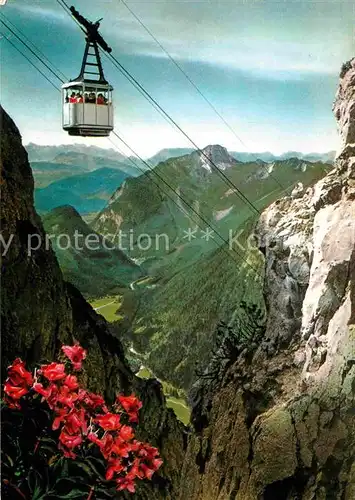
[(87, 109), (87, 100)]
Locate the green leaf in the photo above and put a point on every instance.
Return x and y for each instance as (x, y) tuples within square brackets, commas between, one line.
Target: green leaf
[(83, 467), (93, 463), (76, 480), (74, 494), (105, 491), (8, 458), (48, 440)]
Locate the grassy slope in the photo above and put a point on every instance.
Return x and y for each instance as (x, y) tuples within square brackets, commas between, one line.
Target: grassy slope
[(178, 404), (108, 307)]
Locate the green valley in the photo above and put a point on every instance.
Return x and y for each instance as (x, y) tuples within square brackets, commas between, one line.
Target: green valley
[(195, 279)]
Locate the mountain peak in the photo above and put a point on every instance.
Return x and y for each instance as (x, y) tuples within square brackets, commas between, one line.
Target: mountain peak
[(65, 210), (217, 155)]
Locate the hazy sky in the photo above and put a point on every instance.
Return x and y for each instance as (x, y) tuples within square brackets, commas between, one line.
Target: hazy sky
[(270, 67)]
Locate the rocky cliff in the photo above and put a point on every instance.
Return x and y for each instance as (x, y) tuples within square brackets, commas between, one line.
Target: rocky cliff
[(40, 311), (280, 425)]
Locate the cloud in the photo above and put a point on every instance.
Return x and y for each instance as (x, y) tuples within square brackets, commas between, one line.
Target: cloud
[(244, 37), (258, 56), (266, 39), (43, 12)]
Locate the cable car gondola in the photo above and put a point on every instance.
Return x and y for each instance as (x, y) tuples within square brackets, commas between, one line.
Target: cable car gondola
[(87, 100)]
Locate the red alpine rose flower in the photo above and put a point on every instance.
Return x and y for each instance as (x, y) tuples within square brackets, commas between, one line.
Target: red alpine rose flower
[(52, 372), (82, 417), (105, 444), (41, 390), (148, 452), (61, 414), (146, 471), (76, 354), (17, 384), (126, 433), (121, 448), (135, 470), (76, 422), (115, 467), (157, 463), (50, 394), (68, 440), (71, 382), (14, 392), (94, 439), (131, 405), (66, 397), (109, 422), (125, 483), (18, 375), (94, 401)]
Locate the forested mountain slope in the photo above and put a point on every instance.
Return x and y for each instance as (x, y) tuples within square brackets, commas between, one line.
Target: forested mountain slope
[(198, 268)]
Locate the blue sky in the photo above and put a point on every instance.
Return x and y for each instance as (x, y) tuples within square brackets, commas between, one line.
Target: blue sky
[(270, 67)]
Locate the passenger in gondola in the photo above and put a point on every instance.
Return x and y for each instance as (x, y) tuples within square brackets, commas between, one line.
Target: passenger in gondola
[(86, 97), (100, 99), (72, 97), (92, 98), (79, 97)]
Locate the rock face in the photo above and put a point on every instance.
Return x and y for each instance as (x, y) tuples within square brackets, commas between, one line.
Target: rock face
[(281, 423), (40, 311), (217, 155)]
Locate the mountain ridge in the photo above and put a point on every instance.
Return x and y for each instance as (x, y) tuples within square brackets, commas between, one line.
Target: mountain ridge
[(97, 269), (245, 157), (49, 153)]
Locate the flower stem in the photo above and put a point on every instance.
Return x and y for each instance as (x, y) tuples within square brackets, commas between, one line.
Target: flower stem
[(91, 492)]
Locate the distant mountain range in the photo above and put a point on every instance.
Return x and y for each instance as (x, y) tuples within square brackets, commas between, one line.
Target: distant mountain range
[(328, 157), (196, 179), (52, 163), (165, 154), (88, 155), (87, 192), (312, 157), (37, 152)]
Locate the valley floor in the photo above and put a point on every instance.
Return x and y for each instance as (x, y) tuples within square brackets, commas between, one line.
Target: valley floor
[(108, 307)]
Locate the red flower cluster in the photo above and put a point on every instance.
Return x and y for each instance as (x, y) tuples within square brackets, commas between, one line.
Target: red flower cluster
[(131, 405), (17, 384), (124, 454), (76, 354), (83, 418)]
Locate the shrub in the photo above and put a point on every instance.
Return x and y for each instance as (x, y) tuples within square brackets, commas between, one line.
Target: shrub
[(61, 441), (230, 340)]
